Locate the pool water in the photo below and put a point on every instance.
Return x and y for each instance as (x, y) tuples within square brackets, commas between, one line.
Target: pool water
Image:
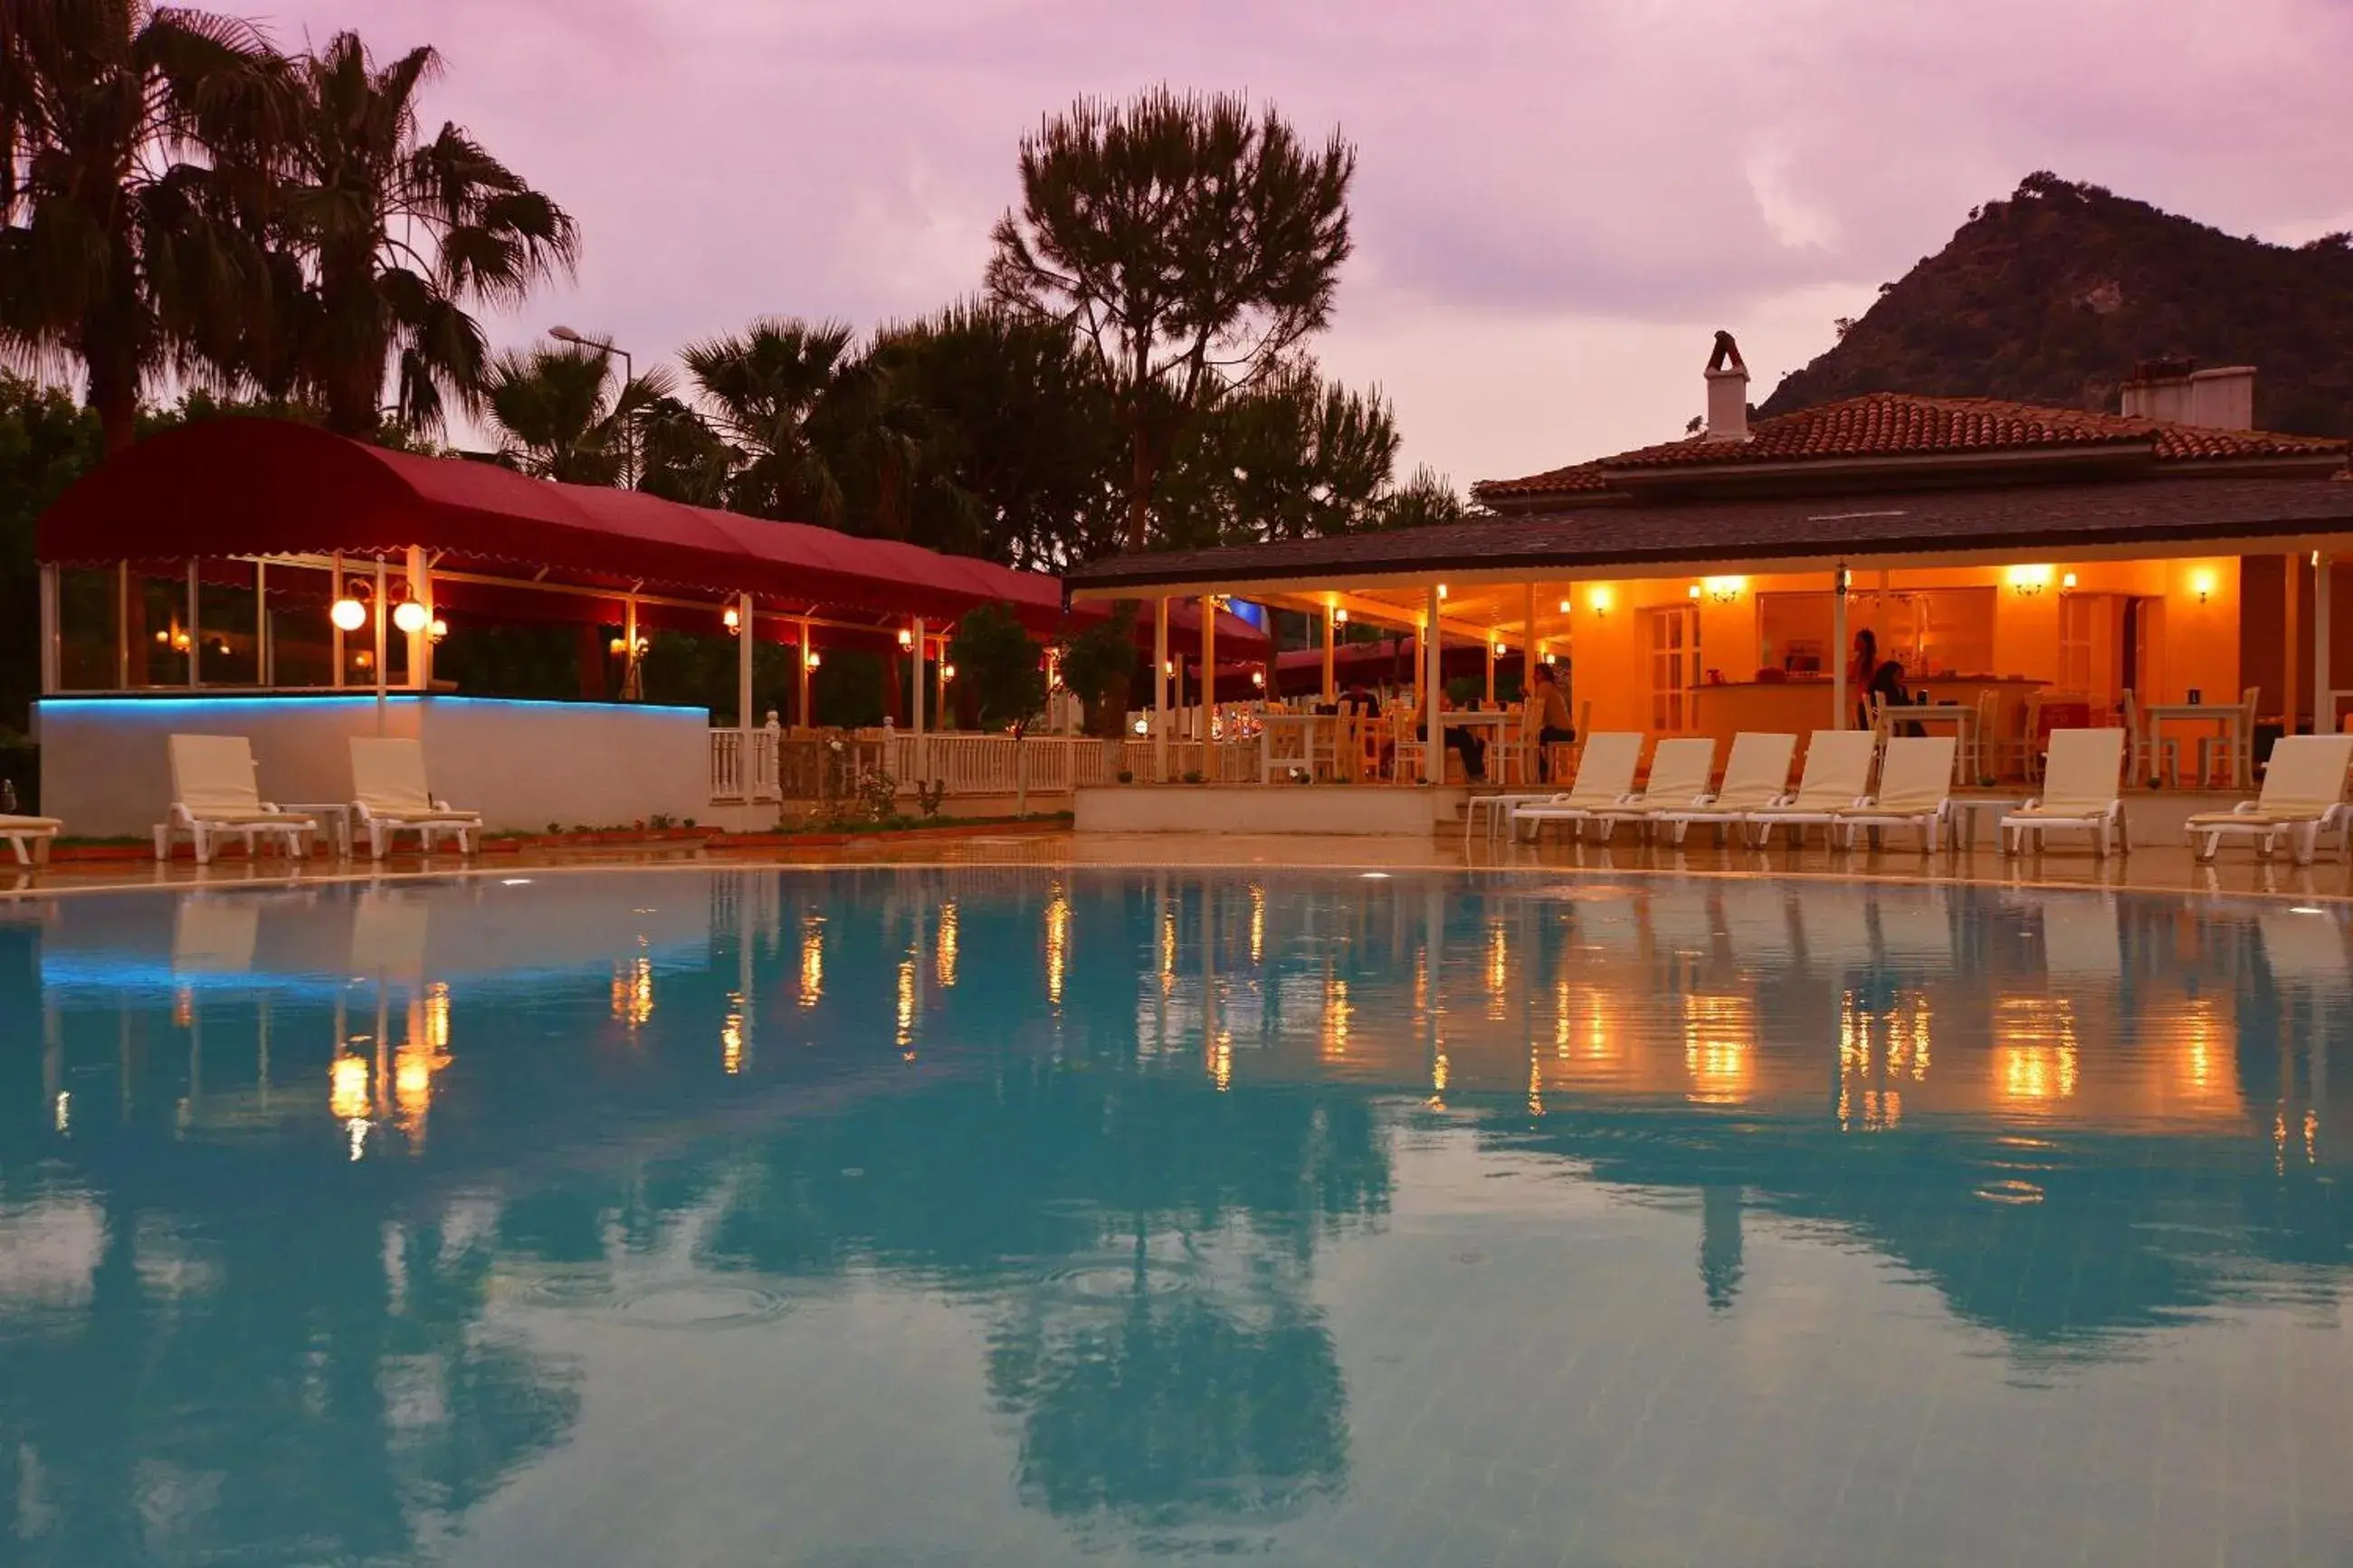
[(1022, 1217)]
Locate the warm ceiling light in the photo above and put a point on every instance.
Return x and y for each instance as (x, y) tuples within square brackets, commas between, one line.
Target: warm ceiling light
[(410, 616), (163, 638), (1339, 617), (732, 619), (906, 638), (349, 615)]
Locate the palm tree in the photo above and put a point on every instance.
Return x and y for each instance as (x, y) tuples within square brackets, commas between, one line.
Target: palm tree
[(560, 422), (398, 237), (133, 142), (788, 395)]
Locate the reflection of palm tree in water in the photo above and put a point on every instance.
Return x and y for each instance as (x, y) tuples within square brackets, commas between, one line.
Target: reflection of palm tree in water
[(1720, 1268)]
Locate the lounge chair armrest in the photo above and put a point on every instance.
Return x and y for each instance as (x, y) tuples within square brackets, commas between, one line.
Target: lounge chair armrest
[(1865, 803), (2246, 808), (2030, 803)]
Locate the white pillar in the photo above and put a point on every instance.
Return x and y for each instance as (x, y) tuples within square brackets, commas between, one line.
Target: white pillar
[(1208, 686), (381, 616), (802, 715), (265, 653), (745, 634), (1160, 690), (1331, 678), (334, 632), (421, 641), (915, 682), (1528, 650), (50, 630), (123, 626), (195, 637), (1490, 664), (2323, 678), (1838, 647), (1433, 753), (630, 688)]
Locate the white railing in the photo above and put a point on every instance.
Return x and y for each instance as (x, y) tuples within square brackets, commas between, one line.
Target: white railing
[(761, 765)]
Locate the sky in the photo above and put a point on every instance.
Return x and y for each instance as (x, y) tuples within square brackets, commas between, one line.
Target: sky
[(1557, 202)]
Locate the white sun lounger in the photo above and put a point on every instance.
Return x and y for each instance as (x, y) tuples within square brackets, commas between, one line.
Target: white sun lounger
[(29, 837), (1916, 790), (389, 797), (214, 794), (1678, 781), (1837, 775), (2079, 791), (2303, 797), (1604, 776), (1756, 776)]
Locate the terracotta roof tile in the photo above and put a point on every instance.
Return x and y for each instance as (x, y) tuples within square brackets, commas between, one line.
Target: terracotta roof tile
[(1901, 424)]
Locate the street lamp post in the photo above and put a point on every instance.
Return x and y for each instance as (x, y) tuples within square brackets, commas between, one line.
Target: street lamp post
[(629, 375)]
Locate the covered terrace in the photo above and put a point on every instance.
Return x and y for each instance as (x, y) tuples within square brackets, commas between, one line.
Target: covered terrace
[(267, 576)]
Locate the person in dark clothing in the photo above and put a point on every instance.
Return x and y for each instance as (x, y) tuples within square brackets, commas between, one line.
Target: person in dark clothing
[(1873, 676), (1553, 725)]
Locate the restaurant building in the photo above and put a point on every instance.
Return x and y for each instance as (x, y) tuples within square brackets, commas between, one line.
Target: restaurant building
[(2036, 566)]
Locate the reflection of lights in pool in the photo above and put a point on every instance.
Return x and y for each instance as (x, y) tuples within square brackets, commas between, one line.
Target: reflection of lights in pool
[(514, 881), (1377, 876), (2011, 1192), (2307, 910)]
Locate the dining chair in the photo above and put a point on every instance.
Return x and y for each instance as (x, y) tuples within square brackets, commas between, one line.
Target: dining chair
[(2149, 756)]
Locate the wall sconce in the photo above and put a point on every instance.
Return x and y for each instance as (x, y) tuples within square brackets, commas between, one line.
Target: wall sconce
[(438, 629), (732, 619), (1339, 617), (349, 615), (1441, 591), (1726, 590), (1169, 667), (2203, 584), (1258, 678), (2067, 583), (1499, 649), (1144, 726), (179, 642), (1694, 591), (811, 659), (411, 617), (2028, 582), (906, 638), (365, 658), (620, 646), (164, 639), (1551, 657), (947, 672), (1601, 598), (1564, 606)]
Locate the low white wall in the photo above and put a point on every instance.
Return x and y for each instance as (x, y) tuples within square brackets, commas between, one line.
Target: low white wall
[(106, 770), (1344, 809)]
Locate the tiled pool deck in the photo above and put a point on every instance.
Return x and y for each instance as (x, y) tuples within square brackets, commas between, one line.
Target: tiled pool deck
[(2153, 867)]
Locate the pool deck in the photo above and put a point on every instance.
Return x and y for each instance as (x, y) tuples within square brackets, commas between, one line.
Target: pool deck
[(2163, 868)]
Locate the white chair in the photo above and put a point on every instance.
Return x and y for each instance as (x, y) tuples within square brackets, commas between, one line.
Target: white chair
[(1604, 776), (1916, 790), (1756, 776), (214, 792), (389, 797), (1680, 771), (2079, 792), (2303, 797), (2151, 757), (1286, 745), (1837, 775), (2230, 752), (30, 837)]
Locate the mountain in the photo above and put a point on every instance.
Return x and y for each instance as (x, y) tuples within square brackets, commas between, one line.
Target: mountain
[(2053, 296)]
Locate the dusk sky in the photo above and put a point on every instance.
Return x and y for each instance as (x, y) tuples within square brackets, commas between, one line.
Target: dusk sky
[(1556, 204)]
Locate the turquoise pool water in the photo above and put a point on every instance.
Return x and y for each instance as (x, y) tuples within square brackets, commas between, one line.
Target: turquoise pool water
[(1010, 1216)]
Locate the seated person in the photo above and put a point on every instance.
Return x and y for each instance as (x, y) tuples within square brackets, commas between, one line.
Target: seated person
[(1553, 725)]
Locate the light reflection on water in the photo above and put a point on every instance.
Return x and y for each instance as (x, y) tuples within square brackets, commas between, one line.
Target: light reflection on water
[(1022, 1217)]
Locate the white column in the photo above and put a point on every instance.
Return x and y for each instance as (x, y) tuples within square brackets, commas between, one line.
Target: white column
[(1490, 664), (2323, 678), (803, 716), (1528, 650), (195, 639), (1331, 680), (1433, 753), (630, 689), (382, 618), (50, 630), (265, 655), (123, 626), (1209, 685), (745, 720), (1159, 691), (421, 641), (334, 632), (915, 682), (1838, 647)]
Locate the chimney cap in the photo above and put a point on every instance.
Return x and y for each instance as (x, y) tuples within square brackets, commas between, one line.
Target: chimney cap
[(1725, 350), (2162, 367)]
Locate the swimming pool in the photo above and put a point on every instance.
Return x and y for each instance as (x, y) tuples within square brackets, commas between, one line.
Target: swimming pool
[(1013, 1215)]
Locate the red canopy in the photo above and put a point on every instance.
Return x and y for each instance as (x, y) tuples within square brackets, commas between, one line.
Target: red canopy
[(270, 487), (1236, 638)]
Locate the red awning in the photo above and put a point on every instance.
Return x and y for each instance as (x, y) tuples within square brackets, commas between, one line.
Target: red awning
[(270, 487), (1236, 638)]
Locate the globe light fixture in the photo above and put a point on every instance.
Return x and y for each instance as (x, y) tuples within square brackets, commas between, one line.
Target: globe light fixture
[(349, 615), (410, 616)]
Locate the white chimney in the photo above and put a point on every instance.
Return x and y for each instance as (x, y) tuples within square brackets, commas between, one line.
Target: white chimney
[(1727, 392), (2176, 390)]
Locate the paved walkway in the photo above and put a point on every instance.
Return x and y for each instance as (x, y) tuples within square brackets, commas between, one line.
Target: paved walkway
[(2163, 868)]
